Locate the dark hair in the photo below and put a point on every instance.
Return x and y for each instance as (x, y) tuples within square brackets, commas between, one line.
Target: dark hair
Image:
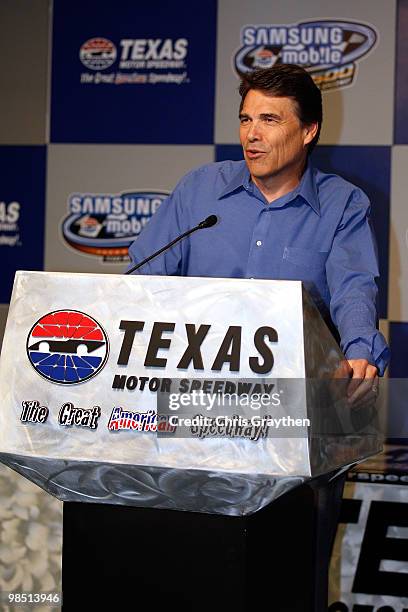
[(288, 81)]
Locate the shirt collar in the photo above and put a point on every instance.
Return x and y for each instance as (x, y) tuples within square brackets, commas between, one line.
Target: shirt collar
[(241, 178), (306, 189)]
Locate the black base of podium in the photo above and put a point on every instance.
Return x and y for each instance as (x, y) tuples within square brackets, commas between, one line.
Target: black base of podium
[(146, 559)]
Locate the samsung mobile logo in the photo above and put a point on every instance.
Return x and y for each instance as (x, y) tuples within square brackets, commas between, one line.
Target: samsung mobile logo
[(105, 225), (329, 50)]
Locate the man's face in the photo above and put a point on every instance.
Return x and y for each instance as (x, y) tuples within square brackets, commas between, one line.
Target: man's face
[(272, 137)]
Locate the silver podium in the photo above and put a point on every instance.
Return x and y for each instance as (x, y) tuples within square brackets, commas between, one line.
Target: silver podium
[(108, 384)]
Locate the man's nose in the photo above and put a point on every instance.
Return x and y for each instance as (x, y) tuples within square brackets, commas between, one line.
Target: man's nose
[(254, 132)]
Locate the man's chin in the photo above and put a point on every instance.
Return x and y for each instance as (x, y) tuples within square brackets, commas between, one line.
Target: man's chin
[(258, 172), (257, 168)]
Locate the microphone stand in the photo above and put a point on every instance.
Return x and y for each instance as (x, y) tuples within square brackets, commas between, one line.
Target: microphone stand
[(208, 222)]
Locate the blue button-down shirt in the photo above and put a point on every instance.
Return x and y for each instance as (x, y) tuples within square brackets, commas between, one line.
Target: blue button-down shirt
[(318, 233)]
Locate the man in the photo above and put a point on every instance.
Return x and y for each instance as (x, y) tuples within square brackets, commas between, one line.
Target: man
[(280, 218)]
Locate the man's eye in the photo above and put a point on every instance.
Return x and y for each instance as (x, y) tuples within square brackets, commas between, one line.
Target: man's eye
[(244, 120)]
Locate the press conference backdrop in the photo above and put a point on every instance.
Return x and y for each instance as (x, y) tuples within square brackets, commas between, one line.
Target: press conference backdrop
[(106, 104)]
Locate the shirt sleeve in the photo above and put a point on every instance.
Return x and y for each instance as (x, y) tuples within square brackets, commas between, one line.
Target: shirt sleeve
[(351, 269), (163, 227)]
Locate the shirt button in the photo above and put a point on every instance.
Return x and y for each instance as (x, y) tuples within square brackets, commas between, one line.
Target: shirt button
[(259, 243)]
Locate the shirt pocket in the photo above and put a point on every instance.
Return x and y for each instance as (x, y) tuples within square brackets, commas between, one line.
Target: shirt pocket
[(306, 259), (309, 266)]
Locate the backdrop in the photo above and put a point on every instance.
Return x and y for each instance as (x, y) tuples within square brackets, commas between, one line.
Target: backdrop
[(106, 104)]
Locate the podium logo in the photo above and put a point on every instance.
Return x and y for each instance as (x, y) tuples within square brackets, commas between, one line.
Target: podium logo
[(328, 49), (67, 347)]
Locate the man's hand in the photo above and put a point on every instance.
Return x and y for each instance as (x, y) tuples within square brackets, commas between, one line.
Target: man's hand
[(364, 382)]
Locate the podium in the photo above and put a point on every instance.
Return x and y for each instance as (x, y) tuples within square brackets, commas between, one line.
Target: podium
[(114, 399)]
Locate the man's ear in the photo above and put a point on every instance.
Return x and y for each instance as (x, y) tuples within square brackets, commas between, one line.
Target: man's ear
[(310, 132)]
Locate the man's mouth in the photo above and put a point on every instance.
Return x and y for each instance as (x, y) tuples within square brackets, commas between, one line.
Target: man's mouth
[(254, 153)]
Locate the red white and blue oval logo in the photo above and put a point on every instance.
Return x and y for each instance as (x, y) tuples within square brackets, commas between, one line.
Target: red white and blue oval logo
[(67, 347), (97, 53)]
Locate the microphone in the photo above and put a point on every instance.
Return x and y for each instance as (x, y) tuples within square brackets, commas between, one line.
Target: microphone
[(208, 222)]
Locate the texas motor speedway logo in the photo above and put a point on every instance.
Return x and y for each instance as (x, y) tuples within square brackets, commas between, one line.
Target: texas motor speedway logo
[(329, 50), (67, 347), (97, 53), (134, 61)]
